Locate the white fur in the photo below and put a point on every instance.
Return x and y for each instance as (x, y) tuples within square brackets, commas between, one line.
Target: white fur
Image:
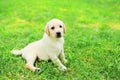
[(49, 47)]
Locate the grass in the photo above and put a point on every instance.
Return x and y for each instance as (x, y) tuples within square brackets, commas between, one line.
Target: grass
[(92, 42)]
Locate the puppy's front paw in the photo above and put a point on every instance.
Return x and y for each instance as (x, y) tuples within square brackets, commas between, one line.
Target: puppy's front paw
[(62, 68)]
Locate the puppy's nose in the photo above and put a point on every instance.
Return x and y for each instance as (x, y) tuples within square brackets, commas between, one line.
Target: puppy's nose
[(58, 34)]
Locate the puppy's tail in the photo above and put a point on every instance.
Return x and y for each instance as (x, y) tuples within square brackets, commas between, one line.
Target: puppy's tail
[(16, 52)]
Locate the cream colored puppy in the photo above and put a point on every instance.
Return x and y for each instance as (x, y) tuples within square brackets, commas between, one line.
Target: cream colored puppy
[(49, 47)]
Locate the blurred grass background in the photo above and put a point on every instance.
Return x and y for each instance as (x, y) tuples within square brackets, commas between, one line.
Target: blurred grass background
[(92, 42)]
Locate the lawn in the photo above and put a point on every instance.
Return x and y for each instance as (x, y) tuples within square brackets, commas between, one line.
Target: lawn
[(92, 41)]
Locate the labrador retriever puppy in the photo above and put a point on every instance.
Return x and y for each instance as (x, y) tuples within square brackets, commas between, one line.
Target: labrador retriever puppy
[(50, 47)]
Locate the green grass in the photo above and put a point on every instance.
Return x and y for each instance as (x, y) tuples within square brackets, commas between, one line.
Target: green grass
[(92, 42)]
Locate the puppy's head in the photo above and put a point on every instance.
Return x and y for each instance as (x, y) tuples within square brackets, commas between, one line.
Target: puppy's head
[(55, 28)]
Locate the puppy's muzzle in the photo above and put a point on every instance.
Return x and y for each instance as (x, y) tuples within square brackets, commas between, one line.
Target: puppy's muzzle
[(58, 34)]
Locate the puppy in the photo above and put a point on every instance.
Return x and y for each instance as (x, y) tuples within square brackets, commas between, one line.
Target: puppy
[(48, 48)]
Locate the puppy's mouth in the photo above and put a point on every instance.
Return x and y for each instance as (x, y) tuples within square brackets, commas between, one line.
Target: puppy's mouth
[(58, 35)]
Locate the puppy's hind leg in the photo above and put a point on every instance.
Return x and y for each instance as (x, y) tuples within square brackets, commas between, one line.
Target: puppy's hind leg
[(30, 64)]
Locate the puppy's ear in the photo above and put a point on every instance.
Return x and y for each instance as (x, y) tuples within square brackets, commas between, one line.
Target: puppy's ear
[(47, 29), (64, 28)]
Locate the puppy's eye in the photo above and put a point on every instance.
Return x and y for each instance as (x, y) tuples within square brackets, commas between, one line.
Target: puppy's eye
[(60, 26), (53, 28)]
